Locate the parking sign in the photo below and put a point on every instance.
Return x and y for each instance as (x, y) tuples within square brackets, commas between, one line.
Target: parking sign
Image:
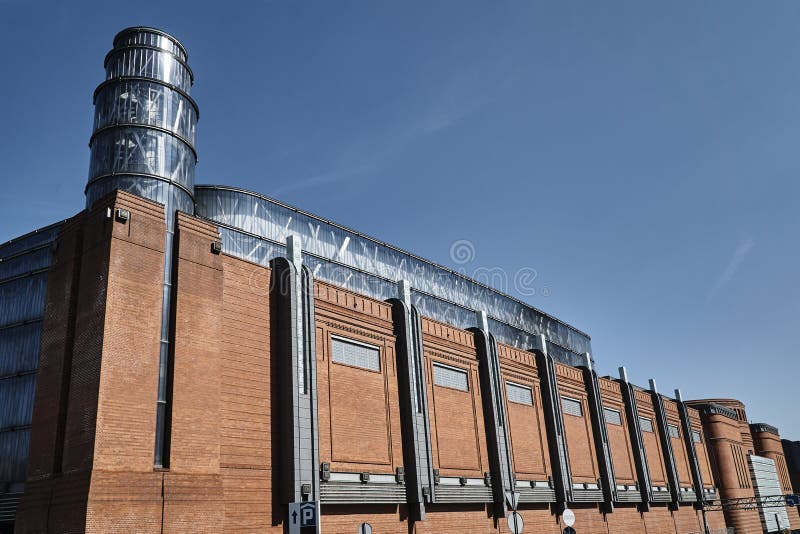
[(303, 514)]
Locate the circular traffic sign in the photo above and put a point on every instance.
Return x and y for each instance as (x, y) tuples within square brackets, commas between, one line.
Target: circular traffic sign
[(365, 528), (515, 523), (569, 517), (569, 530)]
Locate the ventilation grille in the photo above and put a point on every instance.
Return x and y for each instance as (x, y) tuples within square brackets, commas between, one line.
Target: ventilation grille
[(355, 354), (571, 407), (673, 431), (612, 417), (646, 424), (519, 394), (450, 378)]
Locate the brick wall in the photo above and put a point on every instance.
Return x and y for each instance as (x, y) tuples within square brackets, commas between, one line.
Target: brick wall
[(91, 465), (578, 428), (527, 429), (618, 435)]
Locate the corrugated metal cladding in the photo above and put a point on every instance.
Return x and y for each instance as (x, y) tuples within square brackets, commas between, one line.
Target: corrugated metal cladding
[(255, 227), (355, 354), (766, 484), (23, 280)]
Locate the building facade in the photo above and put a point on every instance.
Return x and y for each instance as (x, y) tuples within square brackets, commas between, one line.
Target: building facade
[(182, 358)]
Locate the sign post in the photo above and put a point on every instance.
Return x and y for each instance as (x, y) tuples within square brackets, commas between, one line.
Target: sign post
[(515, 523), (568, 517)]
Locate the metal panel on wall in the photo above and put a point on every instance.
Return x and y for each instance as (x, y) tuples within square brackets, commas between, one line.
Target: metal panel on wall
[(23, 283), (352, 260)]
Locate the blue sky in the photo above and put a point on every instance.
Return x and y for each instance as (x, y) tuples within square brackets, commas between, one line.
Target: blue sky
[(641, 157)]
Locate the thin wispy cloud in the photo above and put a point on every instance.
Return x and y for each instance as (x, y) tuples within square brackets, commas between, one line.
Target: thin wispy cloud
[(739, 255), (464, 93)]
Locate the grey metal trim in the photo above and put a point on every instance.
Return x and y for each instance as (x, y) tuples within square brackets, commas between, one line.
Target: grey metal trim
[(588, 495), (666, 443), (9, 502), (629, 496), (112, 81), (21, 323), (356, 269), (413, 393), (391, 247), (764, 427), (639, 452), (146, 127), (138, 174), (148, 29), (114, 51), (27, 274), (689, 444), (33, 233), (602, 444), (457, 494), (494, 415), (295, 335), (717, 409), (535, 491), (554, 422)]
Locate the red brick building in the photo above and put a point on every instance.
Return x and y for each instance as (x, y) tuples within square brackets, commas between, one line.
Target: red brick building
[(204, 357)]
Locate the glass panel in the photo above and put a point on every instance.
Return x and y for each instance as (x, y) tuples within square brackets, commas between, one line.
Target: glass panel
[(132, 150), (173, 198), (16, 400), (148, 63), (14, 454), (143, 102), (439, 292)]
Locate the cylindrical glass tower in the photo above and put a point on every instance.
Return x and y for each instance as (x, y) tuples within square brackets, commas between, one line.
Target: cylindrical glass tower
[(143, 143), (144, 122)]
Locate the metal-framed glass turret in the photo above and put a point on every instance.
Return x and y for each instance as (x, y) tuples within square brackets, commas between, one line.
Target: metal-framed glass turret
[(144, 122), (143, 143)]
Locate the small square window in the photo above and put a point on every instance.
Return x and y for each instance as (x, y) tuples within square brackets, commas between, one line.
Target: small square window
[(646, 424), (673, 431), (519, 394), (571, 406), (613, 417), (356, 354), (450, 377)]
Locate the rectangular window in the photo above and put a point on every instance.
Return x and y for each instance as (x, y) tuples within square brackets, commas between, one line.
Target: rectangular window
[(571, 406), (613, 417), (696, 436), (673, 431), (646, 424), (356, 354), (450, 377), (519, 394)]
